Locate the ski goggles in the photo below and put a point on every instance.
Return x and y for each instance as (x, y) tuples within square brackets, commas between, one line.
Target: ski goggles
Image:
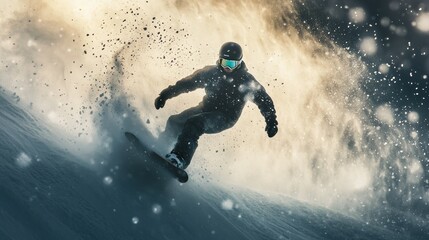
[(231, 64)]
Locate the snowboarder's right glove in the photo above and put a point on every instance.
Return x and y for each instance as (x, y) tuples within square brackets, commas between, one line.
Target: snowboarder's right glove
[(160, 102), (271, 128)]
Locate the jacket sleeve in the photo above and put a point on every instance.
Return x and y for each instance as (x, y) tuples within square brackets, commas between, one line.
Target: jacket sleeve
[(264, 103), (187, 84)]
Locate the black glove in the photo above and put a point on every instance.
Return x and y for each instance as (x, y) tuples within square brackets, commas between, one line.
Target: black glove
[(160, 102), (271, 128)]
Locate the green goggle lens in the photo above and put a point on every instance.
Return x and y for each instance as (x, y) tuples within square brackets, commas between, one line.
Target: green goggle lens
[(231, 64)]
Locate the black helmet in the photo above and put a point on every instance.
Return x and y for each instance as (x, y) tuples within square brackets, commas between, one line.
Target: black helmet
[(231, 51)]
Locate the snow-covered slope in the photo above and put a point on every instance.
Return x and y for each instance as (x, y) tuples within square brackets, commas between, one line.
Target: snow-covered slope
[(46, 194)]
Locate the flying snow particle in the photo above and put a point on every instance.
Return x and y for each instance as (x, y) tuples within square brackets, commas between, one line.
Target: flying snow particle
[(135, 220), (401, 31), (107, 180), (53, 117), (156, 208), (173, 202), (426, 196), (413, 117), (415, 172), (31, 43), (357, 15), (384, 68), (385, 114), (361, 178), (414, 135), (422, 22), (23, 160), (227, 204), (394, 5), (385, 21), (368, 46)]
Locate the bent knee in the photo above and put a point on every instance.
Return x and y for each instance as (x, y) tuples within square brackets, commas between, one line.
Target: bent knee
[(195, 124)]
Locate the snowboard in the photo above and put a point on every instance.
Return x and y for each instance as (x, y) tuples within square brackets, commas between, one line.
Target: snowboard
[(175, 172)]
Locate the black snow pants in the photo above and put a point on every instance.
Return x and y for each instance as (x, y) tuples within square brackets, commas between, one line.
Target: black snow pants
[(190, 124)]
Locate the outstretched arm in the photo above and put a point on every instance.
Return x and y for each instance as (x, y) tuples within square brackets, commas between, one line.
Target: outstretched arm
[(266, 106), (187, 84)]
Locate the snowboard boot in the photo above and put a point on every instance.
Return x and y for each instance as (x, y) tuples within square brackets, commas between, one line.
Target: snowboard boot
[(175, 160)]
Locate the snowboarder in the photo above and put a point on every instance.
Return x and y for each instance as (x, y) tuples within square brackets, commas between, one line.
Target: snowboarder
[(228, 85)]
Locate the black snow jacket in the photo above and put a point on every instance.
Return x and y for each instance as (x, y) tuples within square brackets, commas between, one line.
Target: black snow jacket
[(225, 92)]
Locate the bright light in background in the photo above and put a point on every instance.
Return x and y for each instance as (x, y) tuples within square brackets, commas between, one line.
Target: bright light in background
[(82, 10)]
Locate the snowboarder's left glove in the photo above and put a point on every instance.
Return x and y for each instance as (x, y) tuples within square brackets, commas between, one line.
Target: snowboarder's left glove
[(271, 128)]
